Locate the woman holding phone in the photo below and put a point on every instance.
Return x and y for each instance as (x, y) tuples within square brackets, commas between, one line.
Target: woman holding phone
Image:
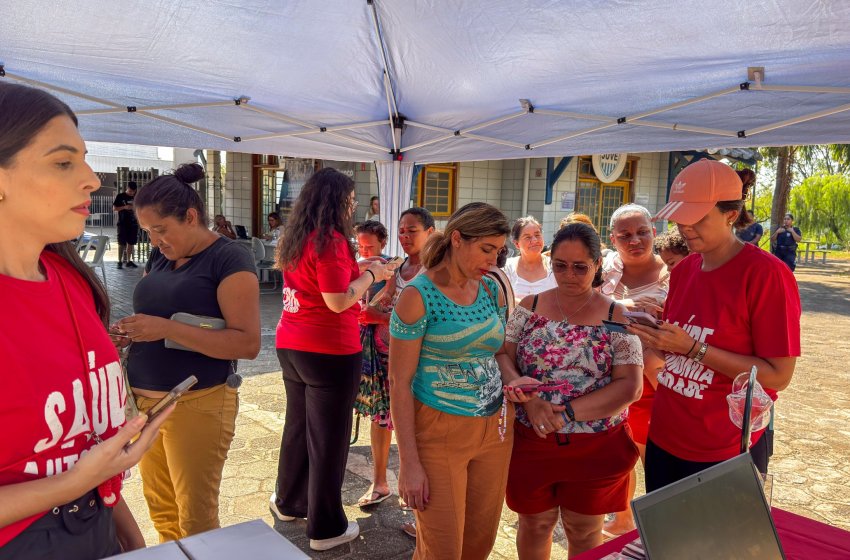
[(193, 276), (638, 279), (68, 441), (573, 450), (320, 355), (731, 306)]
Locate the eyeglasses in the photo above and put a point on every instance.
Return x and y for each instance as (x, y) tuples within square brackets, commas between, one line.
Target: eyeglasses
[(353, 202), (579, 269)]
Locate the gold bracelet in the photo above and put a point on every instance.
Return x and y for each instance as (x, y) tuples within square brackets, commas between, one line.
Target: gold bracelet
[(701, 354)]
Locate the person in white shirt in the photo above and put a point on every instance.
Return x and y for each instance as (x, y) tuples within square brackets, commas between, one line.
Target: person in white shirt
[(374, 211), (530, 272)]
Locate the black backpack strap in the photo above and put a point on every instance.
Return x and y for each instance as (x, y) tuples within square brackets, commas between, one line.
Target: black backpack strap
[(611, 311), (534, 303)]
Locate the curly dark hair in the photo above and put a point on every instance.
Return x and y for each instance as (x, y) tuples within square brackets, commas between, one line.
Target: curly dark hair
[(672, 241), (374, 227), (321, 208)]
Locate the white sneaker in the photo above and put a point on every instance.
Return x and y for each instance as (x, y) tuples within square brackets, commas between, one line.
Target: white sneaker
[(276, 511), (349, 535)]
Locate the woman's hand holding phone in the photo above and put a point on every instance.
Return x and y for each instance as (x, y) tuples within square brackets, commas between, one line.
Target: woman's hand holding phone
[(521, 389)]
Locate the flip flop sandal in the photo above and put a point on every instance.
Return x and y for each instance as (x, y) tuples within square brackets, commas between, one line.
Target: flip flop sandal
[(374, 498), (409, 529)]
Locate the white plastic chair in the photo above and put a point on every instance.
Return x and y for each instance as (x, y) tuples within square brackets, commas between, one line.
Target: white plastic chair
[(262, 265), (99, 244)]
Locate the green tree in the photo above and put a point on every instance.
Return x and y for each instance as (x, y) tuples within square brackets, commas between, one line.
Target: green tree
[(822, 204)]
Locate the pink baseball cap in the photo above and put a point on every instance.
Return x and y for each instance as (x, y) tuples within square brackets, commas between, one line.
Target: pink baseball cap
[(697, 189)]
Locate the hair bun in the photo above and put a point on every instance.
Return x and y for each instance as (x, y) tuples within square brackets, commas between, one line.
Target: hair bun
[(190, 173)]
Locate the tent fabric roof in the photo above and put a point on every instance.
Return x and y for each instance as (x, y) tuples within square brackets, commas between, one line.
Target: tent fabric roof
[(451, 65)]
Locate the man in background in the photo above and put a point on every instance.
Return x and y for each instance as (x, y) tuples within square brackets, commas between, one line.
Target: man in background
[(128, 227)]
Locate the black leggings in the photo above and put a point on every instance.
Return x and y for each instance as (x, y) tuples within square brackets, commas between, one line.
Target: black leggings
[(663, 468), (320, 392)]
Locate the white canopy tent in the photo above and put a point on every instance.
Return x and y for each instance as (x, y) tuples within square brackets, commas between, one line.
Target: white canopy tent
[(460, 79)]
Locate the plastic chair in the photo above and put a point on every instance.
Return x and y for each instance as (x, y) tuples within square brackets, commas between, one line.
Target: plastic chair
[(262, 265), (99, 244)]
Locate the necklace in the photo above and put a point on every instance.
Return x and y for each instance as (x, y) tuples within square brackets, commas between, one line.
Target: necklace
[(574, 313)]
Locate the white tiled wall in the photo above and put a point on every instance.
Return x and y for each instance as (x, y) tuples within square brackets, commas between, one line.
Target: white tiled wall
[(237, 189)]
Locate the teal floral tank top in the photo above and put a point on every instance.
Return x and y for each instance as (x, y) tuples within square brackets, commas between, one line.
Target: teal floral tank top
[(457, 371)]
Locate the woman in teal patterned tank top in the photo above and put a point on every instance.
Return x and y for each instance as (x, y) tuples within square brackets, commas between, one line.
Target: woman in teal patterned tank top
[(454, 432)]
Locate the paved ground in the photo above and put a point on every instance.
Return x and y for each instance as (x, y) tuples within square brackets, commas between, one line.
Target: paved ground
[(810, 467)]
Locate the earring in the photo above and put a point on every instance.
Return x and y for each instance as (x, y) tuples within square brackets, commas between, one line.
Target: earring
[(2, 197)]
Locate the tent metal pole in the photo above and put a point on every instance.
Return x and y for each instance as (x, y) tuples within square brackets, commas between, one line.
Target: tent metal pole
[(277, 116), (281, 135), (429, 127), (798, 120), (429, 142), (572, 135), (571, 115), (380, 38), (684, 103), (184, 125), (354, 126), (387, 89), (494, 141), (803, 89), (686, 128), (376, 147), (52, 87), (473, 128), (156, 108)]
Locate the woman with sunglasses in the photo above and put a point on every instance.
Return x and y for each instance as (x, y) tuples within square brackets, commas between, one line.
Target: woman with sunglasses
[(573, 450), (731, 306), (530, 272)]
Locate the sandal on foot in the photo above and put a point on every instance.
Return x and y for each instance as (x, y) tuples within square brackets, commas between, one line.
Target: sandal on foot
[(372, 498), (409, 529)]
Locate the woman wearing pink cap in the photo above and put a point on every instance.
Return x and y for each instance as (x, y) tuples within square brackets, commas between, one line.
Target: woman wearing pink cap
[(725, 302)]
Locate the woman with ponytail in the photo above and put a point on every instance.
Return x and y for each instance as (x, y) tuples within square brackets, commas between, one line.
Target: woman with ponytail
[(453, 429), (66, 441), (191, 270)]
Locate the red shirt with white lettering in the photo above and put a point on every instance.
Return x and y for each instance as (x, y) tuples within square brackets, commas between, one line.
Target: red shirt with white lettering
[(748, 306), (306, 323), (49, 389)]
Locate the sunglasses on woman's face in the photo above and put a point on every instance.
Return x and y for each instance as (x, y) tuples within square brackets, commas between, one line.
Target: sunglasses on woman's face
[(579, 269)]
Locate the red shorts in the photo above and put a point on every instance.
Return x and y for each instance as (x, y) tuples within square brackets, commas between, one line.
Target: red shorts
[(589, 475), (640, 412)]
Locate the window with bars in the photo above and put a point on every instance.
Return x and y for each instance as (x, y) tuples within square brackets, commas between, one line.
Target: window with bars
[(599, 200), (436, 189)]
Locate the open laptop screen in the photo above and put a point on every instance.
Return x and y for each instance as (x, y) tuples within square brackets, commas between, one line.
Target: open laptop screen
[(720, 513)]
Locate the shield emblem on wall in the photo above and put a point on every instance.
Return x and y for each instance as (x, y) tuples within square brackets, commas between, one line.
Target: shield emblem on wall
[(609, 167)]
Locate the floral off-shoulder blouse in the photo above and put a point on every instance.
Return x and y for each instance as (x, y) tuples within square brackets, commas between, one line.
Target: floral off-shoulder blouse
[(582, 355)]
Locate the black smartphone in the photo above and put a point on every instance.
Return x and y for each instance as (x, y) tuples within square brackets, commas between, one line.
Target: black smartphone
[(172, 397), (641, 318), (614, 326)]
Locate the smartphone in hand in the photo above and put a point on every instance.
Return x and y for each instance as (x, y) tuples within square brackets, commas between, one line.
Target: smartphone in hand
[(614, 326), (172, 397), (641, 318)]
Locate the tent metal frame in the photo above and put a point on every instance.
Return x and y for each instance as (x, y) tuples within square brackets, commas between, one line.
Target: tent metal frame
[(396, 121)]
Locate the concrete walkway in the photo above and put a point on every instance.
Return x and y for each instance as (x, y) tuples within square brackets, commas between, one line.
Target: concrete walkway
[(810, 466)]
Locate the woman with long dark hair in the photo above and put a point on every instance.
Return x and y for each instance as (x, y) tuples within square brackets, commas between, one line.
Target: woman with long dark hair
[(319, 349), (66, 442), (192, 270)]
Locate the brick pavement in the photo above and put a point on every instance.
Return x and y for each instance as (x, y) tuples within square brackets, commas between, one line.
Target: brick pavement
[(810, 468)]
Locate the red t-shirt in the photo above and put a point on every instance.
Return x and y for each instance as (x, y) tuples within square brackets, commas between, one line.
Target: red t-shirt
[(749, 306), (46, 404), (306, 323)]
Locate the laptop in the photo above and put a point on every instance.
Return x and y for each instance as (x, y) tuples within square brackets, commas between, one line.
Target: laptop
[(241, 232), (719, 513)]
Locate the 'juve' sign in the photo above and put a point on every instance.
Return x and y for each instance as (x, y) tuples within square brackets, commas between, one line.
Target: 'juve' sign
[(608, 167)]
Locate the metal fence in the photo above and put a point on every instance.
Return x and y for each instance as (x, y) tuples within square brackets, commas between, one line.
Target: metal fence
[(101, 212)]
